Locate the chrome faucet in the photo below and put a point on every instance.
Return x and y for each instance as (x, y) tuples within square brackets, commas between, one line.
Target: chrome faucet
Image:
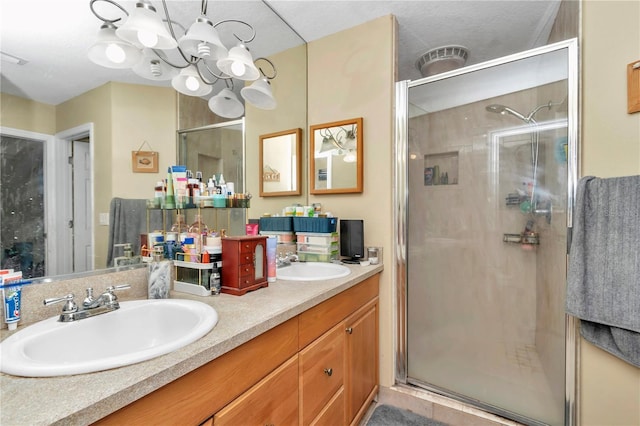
[(286, 259), (106, 302)]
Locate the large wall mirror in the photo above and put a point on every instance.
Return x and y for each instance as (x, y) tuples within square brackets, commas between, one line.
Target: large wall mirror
[(216, 150), (133, 107), (279, 163), (336, 162)]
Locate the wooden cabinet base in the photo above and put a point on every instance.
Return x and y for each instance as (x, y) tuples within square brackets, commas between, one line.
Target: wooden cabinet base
[(318, 368)]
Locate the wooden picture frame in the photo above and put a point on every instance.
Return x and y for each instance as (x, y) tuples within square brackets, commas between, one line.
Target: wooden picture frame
[(144, 161), (280, 163), (336, 160)]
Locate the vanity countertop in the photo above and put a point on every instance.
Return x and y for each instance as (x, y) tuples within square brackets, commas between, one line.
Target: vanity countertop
[(85, 398)]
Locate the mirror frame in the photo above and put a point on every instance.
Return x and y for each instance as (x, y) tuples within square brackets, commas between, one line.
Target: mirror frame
[(296, 167), (315, 134)]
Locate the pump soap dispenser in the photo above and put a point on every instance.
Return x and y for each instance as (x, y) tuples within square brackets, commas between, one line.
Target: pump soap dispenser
[(128, 258)]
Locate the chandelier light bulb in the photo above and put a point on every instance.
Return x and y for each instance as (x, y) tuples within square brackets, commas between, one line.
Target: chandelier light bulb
[(147, 38), (238, 68), (192, 83), (115, 53), (156, 69), (204, 51)]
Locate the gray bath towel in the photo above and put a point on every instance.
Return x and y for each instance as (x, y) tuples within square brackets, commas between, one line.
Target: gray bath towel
[(603, 288), (127, 220)]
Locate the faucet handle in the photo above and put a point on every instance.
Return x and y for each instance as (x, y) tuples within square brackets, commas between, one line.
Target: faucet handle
[(69, 306), (113, 288)]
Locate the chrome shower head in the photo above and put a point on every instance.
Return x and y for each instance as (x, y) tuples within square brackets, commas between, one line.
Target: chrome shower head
[(504, 110)]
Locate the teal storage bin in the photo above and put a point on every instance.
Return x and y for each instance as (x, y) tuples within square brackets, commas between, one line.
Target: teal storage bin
[(315, 224), (280, 224)]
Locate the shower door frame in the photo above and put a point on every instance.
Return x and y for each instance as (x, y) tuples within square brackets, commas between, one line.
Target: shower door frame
[(400, 202)]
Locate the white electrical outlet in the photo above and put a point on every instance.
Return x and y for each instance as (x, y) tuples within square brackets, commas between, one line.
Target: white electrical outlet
[(104, 219)]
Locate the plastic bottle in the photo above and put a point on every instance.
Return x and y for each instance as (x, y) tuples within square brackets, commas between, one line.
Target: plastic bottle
[(198, 226), (180, 225), (211, 187), (159, 193), (223, 185)]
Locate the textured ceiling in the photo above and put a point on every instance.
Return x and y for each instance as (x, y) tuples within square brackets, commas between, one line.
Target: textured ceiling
[(54, 36)]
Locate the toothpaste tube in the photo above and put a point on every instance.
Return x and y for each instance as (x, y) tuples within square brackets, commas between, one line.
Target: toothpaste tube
[(11, 296)]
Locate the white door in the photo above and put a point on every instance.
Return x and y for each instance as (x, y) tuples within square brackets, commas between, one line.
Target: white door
[(82, 250)]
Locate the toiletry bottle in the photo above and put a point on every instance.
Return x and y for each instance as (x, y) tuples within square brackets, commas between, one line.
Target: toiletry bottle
[(199, 230), (180, 225), (159, 194), (271, 259), (201, 185), (223, 185), (170, 200)]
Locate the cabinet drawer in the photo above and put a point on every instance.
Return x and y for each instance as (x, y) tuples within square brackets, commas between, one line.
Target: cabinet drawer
[(273, 401), (245, 259), (321, 373), (333, 413)]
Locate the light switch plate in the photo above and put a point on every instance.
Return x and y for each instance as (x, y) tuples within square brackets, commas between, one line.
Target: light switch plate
[(104, 219)]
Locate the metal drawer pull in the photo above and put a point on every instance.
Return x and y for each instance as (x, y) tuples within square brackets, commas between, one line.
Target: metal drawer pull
[(328, 371), (349, 330)]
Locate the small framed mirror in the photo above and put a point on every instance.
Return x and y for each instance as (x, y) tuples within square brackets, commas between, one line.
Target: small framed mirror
[(280, 163), (336, 161)]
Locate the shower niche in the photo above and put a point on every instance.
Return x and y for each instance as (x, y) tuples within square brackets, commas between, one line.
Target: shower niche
[(441, 168)]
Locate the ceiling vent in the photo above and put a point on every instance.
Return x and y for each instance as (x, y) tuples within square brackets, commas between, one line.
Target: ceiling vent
[(442, 59)]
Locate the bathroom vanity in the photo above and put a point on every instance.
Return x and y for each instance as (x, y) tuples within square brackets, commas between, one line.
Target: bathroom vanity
[(291, 353)]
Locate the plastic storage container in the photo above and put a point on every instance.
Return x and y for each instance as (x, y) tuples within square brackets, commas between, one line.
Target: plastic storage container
[(280, 224), (281, 236), (304, 256), (315, 224), (317, 237), (318, 248)]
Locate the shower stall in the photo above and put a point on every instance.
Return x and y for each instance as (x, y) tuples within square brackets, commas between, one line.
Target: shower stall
[(485, 177)]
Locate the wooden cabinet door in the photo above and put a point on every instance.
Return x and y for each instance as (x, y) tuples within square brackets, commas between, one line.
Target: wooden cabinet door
[(361, 359), (272, 401), (321, 373), (333, 412)]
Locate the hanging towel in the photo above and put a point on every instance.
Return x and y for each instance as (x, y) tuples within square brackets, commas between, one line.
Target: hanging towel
[(603, 288), (127, 220)]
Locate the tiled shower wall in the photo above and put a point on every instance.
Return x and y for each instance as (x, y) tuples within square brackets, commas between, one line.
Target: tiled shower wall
[(456, 230)]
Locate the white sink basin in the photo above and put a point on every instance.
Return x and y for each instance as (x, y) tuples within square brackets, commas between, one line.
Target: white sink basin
[(138, 331), (311, 271)]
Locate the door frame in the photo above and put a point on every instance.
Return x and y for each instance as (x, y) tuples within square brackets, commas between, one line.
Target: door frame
[(63, 200), (400, 203)]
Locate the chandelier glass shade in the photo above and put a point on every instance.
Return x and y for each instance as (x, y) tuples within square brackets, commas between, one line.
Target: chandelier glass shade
[(259, 94), (146, 41), (202, 41), (226, 104), (144, 26), (189, 82), (111, 51)]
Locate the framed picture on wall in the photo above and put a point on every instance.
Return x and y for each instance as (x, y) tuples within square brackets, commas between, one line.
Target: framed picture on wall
[(144, 161)]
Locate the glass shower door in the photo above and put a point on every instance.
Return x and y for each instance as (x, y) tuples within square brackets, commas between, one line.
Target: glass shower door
[(487, 170)]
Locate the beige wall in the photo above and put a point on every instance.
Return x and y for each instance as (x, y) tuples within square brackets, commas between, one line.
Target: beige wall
[(23, 114), (290, 90), (610, 388), (351, 74), (123, 117)]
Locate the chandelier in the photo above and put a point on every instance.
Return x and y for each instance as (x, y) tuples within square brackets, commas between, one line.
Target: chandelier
[(340, 140), (194, 62)]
